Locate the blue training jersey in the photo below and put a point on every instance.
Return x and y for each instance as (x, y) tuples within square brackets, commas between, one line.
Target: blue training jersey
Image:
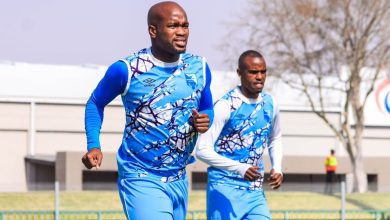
[(158, 98), (244, 137)]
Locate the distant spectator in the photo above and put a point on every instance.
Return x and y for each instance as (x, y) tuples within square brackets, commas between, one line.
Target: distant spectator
[(330, 167)]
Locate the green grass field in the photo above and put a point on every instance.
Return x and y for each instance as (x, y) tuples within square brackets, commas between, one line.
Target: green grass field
[(109, 200)]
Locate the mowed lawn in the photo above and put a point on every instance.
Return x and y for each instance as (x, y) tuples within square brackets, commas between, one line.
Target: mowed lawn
[(109, 200)]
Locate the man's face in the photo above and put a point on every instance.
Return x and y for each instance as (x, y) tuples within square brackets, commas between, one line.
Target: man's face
[(252, 76), (172, 32)]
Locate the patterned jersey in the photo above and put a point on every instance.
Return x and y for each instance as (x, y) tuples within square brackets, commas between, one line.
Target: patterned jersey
[(158, 100), (244, 137)]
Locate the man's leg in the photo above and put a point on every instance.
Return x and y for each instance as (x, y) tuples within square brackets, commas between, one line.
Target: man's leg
[(327, 182), (143, 198), (219, 206), (332, 181), (178, 192), (229, 202), (260, 210)]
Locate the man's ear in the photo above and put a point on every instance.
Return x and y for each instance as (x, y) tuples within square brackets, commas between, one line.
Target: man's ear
[(239, 73), (152, 31)]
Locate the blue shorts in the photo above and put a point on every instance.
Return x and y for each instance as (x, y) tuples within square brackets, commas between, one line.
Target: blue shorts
[(230, 202), (147, 197)]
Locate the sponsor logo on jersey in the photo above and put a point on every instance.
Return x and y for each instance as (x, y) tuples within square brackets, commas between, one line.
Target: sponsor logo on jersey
[(149, 82)]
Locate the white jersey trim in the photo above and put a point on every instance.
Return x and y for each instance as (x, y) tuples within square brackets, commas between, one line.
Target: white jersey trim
[(160, 63), (275, 145)]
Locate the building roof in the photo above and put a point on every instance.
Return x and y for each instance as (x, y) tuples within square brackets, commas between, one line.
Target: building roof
[(62, 83), (45, 81), (74, 83)]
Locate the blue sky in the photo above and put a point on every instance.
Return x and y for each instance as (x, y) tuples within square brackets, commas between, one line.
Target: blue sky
[(102, 31)]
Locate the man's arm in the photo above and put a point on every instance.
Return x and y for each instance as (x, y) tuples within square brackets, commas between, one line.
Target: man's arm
[(275, 150), (204, 150), (204, 118), (112, 84)]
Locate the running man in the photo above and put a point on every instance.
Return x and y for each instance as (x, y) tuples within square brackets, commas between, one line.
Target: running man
[(167, 100), (246, 124)]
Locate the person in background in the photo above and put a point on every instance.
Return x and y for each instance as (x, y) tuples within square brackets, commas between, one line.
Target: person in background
[(330, 168), (247, 123), (167, 100)]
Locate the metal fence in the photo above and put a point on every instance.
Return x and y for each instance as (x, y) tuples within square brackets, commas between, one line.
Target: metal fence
[(197, 215), (331, 214)]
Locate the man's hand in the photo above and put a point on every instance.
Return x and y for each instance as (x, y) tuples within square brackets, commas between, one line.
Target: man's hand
[(201, 121), (93, 158), (252, 173), (275, 179)]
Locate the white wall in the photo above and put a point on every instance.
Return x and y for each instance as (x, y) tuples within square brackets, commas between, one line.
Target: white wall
[(60, 93)]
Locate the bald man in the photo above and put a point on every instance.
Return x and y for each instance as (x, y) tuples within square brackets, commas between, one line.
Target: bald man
[(167, 100)]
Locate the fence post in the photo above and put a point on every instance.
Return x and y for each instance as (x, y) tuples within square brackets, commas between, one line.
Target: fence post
[(377, 215), (285, 215), (343, 200), (100, 216), (57, 200)]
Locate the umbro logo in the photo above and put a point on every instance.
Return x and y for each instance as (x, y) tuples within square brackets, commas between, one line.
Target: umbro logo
[(149, 82), (240, 116)]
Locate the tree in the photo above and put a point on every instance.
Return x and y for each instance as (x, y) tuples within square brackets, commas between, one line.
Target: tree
[(317, 40)]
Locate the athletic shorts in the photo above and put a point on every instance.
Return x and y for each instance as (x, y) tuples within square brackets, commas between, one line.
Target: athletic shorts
[(230, 202), (147, 197)]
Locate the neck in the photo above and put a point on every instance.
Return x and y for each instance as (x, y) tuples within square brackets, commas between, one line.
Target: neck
[(164, 56), (248, 94)]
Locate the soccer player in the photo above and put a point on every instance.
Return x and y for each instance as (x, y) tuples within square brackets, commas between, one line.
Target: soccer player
[(247, 123), (167, 100)]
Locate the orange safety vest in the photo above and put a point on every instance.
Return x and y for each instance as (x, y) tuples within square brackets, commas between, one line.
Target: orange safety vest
[(331, 163)]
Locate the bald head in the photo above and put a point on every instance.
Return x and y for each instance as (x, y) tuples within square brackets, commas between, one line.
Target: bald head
[(244, 55), (156, 12), (168, 30)]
